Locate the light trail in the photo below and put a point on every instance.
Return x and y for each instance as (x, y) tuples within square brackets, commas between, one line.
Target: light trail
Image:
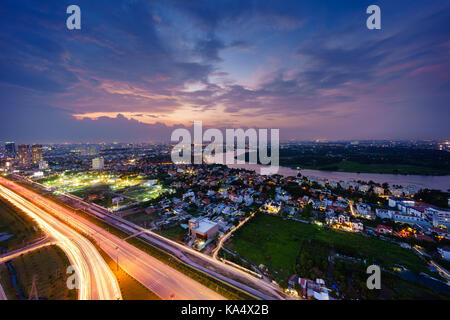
[(40, 244), (180, 251), (206, 264), (96, 280), (157, 276), (228, 235), (441, 270)]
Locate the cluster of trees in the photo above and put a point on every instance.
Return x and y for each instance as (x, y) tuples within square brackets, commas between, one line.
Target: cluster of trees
[(312, 261), (295, 191), (356, 196), (351, 278), (348, 275), (435, 197)]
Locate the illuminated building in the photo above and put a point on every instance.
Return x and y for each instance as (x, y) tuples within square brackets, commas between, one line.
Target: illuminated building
[(10, 148), (24, 151), (92, 150), (203, 228), (98, 163), (43, 165), (272, 207), (37, 153)]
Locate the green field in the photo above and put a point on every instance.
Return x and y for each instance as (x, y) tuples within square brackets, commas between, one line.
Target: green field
[(142, 218), (20, 226), (101, 188), (48, 265), (275, 243), (175, 232)]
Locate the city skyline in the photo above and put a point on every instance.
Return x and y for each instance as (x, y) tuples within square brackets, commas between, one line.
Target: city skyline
[(204, 152), (137, 70)]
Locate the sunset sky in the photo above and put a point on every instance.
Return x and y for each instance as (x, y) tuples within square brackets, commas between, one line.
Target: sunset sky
[(138, 69)]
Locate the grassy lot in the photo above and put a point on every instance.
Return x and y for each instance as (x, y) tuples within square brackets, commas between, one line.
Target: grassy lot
[(175, 232), (275, 242), (143, 219), (49, 265), (6, 282), (21, 226)]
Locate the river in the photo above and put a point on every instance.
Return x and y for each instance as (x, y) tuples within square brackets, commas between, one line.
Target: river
[(419, 181)]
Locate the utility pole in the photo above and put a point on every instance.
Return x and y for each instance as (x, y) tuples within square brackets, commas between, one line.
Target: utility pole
[(33, 291)]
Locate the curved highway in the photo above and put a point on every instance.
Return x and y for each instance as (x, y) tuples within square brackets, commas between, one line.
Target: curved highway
[(157, 276), (96, 280)]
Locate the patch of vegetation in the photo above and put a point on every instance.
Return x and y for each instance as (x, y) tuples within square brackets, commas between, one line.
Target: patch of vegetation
[(22, 227), (367, 159), (276, 243), (175, 232), (5, 281), (48, 265), (142, 218), (436, 197)]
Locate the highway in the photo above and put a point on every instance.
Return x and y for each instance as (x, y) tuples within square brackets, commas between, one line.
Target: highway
[(217, 269), (34, 246), (158, 277), (96, 280)]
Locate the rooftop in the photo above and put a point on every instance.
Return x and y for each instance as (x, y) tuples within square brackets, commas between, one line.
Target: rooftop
[(204, 225)]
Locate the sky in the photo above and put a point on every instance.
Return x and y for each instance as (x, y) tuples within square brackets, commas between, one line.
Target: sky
[(139, 69)]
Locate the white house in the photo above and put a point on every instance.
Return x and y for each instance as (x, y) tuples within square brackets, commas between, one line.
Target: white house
[(378, 190), (363, 209)]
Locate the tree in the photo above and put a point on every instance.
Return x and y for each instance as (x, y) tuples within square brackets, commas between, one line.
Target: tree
[(283, 284)]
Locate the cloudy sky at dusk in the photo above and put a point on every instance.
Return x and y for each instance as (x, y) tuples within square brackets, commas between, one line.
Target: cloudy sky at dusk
[(137, 69)]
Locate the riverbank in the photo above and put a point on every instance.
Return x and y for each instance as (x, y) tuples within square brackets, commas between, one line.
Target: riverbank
[(355, 167), (433, 182), (421, 182)]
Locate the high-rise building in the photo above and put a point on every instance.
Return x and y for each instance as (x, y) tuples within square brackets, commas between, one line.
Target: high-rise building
[(24, 151), (43, 165), (10, 148), (92, 150), (37, 153), (98, 163)]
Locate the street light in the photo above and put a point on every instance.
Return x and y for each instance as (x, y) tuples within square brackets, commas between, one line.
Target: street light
[(117, 258)]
